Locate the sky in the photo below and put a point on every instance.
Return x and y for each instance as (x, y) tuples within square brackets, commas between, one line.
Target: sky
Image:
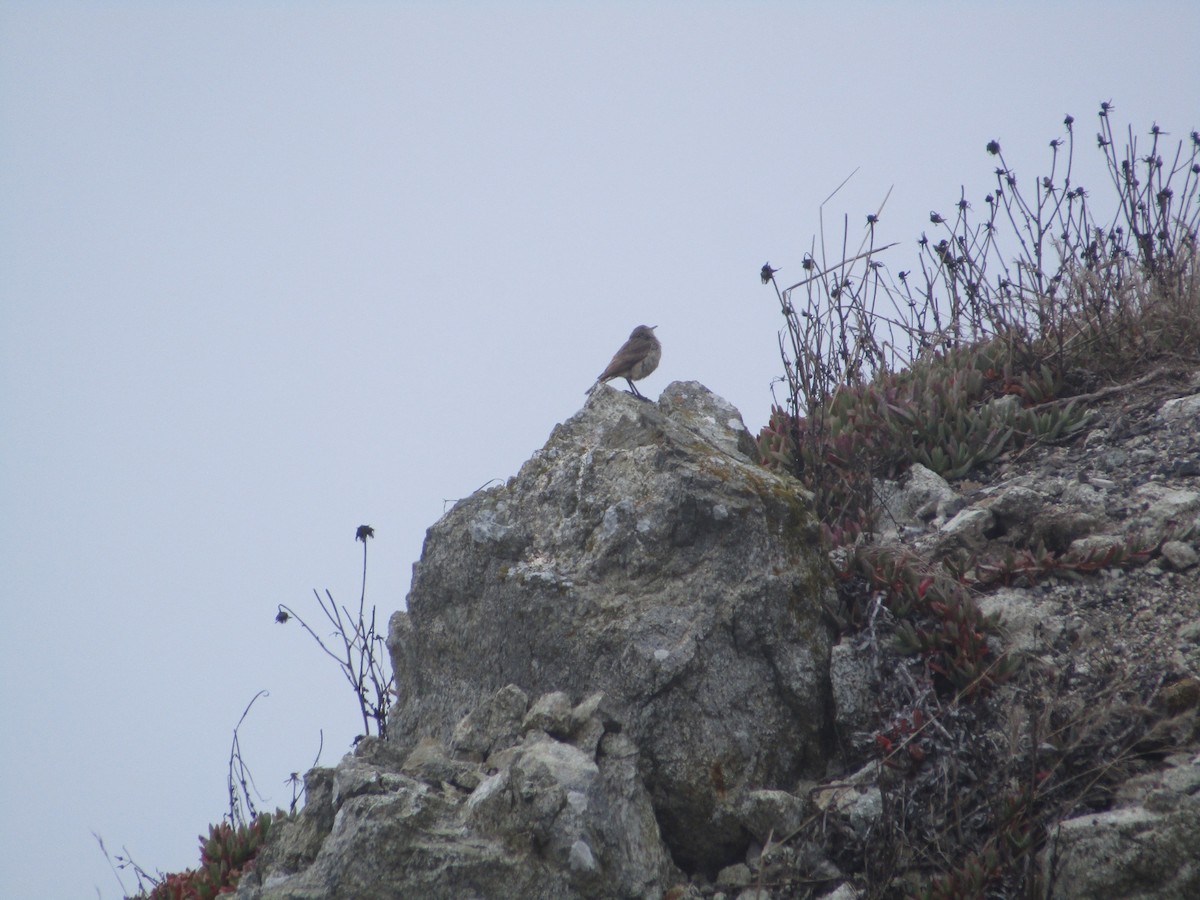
[(271, 271)]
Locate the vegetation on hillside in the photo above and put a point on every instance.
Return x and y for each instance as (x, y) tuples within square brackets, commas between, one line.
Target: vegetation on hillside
[(1020, 308)]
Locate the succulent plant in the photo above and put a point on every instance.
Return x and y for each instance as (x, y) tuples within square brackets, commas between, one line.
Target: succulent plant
[(225, 855)]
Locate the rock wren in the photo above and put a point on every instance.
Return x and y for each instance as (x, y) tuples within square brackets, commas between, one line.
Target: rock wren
[(636, 359)]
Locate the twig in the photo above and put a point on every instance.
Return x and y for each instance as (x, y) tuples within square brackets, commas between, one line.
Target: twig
[(244, 779), (839, 265), (1160, 372)]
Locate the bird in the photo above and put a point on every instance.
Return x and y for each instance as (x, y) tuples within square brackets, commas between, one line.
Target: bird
[(636, 359)]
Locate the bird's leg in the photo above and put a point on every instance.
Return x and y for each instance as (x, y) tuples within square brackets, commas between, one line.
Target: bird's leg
[(633, 389)]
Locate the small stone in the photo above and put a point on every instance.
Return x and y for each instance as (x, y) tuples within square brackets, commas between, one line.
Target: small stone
[(970, 526), (770, 814), (1095, 545), (1114, 459), (735, 876), (580, 858), (1179, 555), (1017, 504)]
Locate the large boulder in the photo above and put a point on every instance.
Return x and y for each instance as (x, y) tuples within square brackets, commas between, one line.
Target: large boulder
[(642, 553)]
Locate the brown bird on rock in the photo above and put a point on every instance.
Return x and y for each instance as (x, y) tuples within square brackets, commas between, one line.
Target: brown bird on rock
[(636, 359)]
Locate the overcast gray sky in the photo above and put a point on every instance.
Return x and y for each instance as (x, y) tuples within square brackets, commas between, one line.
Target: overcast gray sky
[(270, 271)]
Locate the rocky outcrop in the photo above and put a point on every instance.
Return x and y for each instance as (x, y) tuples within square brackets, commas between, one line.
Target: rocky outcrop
[(662, 597), (615, 680), (540, 801), (642, 553)]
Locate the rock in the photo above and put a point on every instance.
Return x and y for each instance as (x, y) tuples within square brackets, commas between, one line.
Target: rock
[(853, 680), (1179, 555), (384, 843), (1166, 508), (856, 798), (1086, 497), (590, 817), (1095, 546), (968, 529), (1031, 625), (551, 821), (295, 843), (1181, 408), (1016, 505), (914, 499), (494, 726), (588, 721), (1148, 850), (735, 876), (771, 815), (620, 655), (1189, 632), (645, 554), (551, 714), (429, 763)]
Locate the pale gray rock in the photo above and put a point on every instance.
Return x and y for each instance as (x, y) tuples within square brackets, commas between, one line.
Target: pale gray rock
[(296, 845), (864, 810), (581, 859), (854, 682), (1086, 497), (1016, 504), (551, 821), (587, 722), (493, 726), (643, 552), (403, 841), (1030, 624), (771, 815), (551, 714), (968, 529), (1179, 555), (587, 816), (1190, 632), (1166, 508), (856, 797), (1095, 546), (429, 762), (735, 876), (1146, 851), (913, 499), (1181, 409)]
